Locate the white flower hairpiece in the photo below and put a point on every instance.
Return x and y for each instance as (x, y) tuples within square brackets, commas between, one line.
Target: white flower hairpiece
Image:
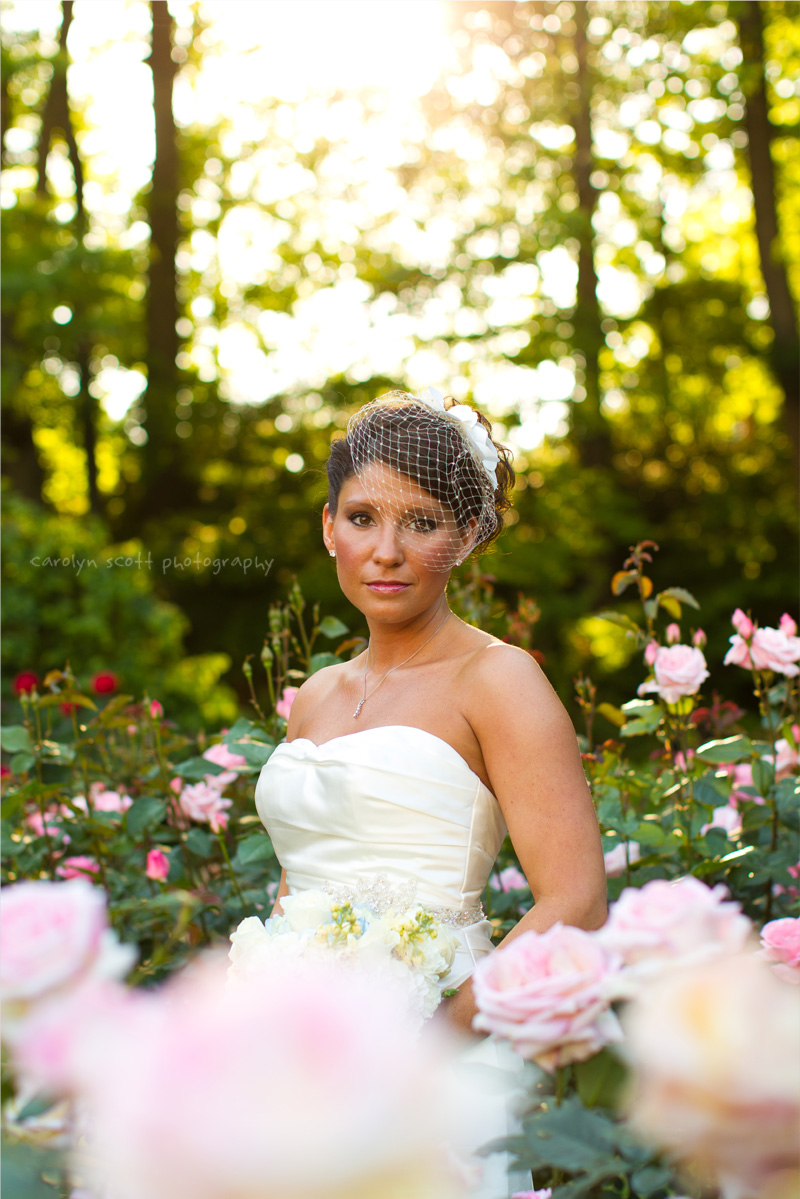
[(473, 431)]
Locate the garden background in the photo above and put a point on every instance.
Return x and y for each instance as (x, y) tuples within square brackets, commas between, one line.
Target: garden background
[(224, 228)]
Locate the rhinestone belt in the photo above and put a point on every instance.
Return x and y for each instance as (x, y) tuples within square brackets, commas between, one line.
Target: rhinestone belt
[(381, 897)]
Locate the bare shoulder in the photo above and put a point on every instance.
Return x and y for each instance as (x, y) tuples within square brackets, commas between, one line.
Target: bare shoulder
[(313, 692), (505, 687)]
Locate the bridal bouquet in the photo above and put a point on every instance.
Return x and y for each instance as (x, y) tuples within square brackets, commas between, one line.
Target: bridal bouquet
[(411, 945)]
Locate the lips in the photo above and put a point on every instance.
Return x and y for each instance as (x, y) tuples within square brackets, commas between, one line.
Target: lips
[(387, 588)]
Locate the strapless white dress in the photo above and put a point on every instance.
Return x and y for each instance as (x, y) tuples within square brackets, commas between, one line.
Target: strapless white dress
[(397, 810)]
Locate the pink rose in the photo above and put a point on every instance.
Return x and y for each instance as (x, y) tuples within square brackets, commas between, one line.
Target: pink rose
[(673, 633), (157, 865), (786, 754), (222, 756), (55, 934), (78, 867), (549, 994), (284, 705), (203, 802), (510, 879), (663, 922), (772, 649), (40, 826), (348, 1073), (738, 654), (742, 775), (545, 1193), (726, 817), (650, 652), (623, 854), (679, 671), (713, 1052), (780, 940), (699, 638), (156, 711), (103, 800), (787, 625), (743, 624)]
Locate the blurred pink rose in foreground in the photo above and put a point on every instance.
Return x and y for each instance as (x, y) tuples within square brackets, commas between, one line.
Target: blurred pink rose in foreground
[(79, 866), (284, 705), (622, 855), (548, 994), (713, 1051), (157, 865), (679, 670), (662, 923), (204, 803), (222, 756), (54, 935), (725, 817), (545, 1193), (225, 1090), (510, 879), (781, 944)]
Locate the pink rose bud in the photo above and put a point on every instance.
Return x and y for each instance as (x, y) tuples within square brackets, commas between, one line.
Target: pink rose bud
[(156, 711), (650, 651), (699, 639), (176, 785), (284, 705), (673, 633), (743, 624), (787, 625), (157, 865)]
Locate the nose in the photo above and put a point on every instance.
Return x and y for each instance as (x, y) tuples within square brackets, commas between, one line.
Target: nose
[(388, 548)]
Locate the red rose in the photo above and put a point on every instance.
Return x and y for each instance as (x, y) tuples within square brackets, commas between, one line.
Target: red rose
[(26, 681), (104, 682)]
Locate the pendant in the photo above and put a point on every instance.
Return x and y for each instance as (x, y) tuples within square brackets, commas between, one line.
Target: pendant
[(358, 709)]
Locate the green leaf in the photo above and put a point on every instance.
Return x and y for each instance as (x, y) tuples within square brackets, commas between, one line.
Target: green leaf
[(319, 661), (15, 738), (670, 605), (197, 768), (599, 1079), (22, 1171), (763, 777), (650, 1179), (20, 763), (145, 813), (620, 619), (650, 834), (255, 753), (255, 848), (240, 728), (11, 802), (331, 627), (200, 843), (614, 715), (680, 594), (570, 1138), (56, 751), (645, 722), (729, 749)]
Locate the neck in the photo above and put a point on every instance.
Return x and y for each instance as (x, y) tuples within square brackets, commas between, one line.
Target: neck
[(390, 645)]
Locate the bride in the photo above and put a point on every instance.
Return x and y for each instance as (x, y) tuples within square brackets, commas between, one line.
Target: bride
[(403, 769)]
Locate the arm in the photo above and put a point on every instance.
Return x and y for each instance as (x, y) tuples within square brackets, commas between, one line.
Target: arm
[(533, 762), (283, 889)]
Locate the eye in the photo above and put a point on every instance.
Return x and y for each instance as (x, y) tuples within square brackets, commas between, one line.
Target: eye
[(360, 519), (422, 524)]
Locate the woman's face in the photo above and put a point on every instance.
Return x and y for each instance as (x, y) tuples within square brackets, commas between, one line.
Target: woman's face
[(395, 543)]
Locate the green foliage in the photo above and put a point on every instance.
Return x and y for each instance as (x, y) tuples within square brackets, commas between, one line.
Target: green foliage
[(64, 599)]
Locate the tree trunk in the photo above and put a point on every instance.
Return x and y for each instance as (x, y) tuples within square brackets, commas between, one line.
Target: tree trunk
[(162, 303), (785, 355), (588, 423)]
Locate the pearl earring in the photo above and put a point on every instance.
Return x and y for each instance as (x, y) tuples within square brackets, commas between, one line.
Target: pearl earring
[(332, 553)]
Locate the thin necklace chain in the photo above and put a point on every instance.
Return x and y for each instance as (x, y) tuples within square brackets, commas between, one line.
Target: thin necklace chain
[(365, 697)]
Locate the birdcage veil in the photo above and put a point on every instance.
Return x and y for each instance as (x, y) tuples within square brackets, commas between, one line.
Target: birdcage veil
[(430, 470)]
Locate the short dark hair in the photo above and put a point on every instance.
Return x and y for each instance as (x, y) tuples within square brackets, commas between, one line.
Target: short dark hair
[(449, 477)]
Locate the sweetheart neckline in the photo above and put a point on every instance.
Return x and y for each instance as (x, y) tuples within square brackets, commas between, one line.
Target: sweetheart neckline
[(380, 728)]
